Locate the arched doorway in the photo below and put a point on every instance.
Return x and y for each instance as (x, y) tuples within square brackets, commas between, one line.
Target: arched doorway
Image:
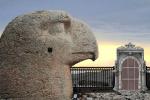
[(130, 74)]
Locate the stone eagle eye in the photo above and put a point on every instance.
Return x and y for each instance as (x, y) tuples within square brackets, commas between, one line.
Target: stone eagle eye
[(50, 50)]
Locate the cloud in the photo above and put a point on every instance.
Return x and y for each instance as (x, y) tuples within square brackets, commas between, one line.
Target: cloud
[(123, 37), (120, 27), (123, 17)]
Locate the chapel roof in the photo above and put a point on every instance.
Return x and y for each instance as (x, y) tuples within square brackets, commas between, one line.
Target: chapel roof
[(129, 46)]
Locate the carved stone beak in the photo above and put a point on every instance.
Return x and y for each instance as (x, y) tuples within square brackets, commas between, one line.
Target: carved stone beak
[(94, 56), (90, 55)]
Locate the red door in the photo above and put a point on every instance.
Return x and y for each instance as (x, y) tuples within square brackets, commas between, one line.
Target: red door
[(130, 74)]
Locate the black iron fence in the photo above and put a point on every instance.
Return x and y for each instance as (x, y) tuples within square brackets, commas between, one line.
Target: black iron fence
[(92, 78), (148, 77)]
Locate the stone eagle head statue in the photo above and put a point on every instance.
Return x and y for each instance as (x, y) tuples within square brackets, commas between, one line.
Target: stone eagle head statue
[(36, 53)]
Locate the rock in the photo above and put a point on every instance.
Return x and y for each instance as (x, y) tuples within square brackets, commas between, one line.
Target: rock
[(36, 53), (147, 96), (125, 95), (89, 98), (118, 97)]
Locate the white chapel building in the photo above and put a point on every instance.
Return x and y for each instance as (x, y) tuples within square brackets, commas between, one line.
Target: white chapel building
[(130, 69)]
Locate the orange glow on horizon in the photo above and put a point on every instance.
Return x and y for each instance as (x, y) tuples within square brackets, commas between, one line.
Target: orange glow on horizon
[(107, 55)]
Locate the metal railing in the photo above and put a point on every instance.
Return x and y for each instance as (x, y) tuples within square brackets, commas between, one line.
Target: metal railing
[(148, 77), (92, 78)]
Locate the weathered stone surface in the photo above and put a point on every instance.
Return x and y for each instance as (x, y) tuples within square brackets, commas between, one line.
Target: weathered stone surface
[(36, 53), (124, 95)]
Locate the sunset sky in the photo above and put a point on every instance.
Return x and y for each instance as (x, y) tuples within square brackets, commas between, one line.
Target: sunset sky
[(114, 22)]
